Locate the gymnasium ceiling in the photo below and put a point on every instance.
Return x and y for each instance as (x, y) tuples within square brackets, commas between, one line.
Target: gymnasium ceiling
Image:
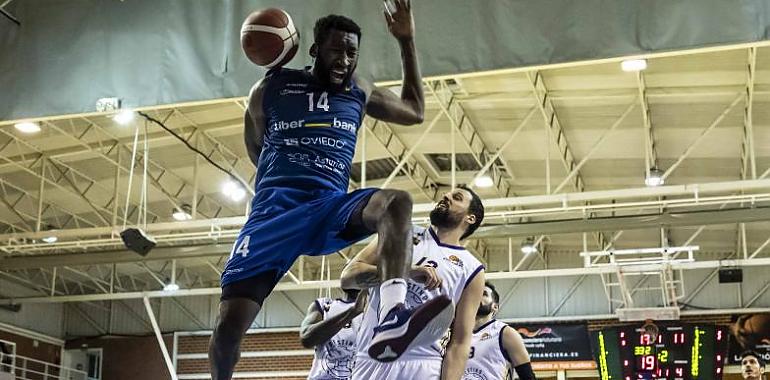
[(65, 177)]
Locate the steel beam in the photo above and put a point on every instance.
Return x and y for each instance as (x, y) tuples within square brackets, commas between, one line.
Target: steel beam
[(414, 170), (650, 156), (159, 337), (545, 105), (311, 285), (700, 138), (465, 127), (748, 156), (405, 158), (595, 147)]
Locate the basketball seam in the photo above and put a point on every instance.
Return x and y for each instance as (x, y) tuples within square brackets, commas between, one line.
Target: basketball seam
[(280, 32)]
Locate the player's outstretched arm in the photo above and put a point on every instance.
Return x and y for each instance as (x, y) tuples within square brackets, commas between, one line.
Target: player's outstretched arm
[(459, 346), (254, 123), (315, 330), (382, 103), (517, 354), (361, 272)]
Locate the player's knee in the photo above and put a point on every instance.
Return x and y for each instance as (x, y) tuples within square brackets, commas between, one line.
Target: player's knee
[(398, 203), (228, 331)]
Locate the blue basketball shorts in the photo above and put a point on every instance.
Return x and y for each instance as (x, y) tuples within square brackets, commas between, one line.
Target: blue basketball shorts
[(285, 223)]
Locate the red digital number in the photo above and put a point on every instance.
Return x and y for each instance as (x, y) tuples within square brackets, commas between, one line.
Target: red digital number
[(648, 363), (645, 339), (679, 338), (679, 371)]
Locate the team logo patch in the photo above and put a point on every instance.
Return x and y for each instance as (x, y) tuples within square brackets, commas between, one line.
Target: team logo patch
[(474, 374), (338, 363), (485, 336), (455, 260), (415, 294)]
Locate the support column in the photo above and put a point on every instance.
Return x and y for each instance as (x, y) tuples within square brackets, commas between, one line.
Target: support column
[(159, 337)]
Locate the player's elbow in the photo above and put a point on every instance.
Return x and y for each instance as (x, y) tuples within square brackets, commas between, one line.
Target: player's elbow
[(305, 339), (346, 280), (417, 117), (306, 343)]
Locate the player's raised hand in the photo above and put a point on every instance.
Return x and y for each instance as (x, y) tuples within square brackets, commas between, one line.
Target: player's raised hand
[(398, 16), (426, 276)]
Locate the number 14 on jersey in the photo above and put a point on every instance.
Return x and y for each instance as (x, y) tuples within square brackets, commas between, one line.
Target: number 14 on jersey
[(323, 101)]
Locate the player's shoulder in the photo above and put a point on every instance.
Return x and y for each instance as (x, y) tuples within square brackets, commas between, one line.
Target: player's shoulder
[(365, 84), (500, 326), (418, 230), (285, 76), (323, 304), (469, 262)]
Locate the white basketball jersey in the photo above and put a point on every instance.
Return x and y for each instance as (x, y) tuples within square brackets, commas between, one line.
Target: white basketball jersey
[(334, 359), (455, 266), (488, 359)]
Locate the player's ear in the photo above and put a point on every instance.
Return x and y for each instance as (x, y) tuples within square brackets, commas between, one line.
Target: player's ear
[(314, 50), (471, 219)]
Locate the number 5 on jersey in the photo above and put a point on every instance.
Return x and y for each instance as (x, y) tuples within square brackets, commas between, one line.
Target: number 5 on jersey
[(243, 247), (323, 101)]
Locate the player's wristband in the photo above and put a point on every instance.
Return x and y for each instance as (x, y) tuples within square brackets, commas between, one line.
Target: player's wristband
[(525, 371)]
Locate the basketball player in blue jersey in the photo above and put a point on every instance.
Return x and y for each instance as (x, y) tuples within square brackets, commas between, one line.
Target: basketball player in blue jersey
[(330, 327), (440, 268), (496, 347), (300, 133)]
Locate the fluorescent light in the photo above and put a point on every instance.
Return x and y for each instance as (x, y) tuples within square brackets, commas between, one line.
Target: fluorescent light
[(181, 216), (484, 181), (233, 191), (170, 287), (50, 239), (654, 178), (124, 116), (27, 127), (182, 213), (528, 246), (633, 65)]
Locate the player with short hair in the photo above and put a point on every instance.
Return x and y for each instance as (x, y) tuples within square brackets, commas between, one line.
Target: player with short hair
[(300, 133), (330, 327), (440, 267), (752, 366), (496, 346)]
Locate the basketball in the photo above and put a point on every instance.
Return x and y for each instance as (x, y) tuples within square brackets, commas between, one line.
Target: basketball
[(269, 38)]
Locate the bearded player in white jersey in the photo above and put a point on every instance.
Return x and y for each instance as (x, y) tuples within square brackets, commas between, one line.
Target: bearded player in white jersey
[(330, 328), (496, 347), (440, 267)]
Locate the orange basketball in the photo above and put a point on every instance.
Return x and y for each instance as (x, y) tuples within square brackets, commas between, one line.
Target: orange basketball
[(269, 38)]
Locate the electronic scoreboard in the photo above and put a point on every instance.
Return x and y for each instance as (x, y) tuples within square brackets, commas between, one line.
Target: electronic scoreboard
[(665, 351)]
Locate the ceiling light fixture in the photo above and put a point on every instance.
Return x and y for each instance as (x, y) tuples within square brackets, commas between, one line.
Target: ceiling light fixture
[(484, 181), (528, 246), (654, 177), (27, 127), (631, 65)]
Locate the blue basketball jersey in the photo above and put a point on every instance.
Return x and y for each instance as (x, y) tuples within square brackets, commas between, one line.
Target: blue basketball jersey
[(310, 132)]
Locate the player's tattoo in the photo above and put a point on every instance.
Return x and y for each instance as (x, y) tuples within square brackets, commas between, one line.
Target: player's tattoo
[(368, 279)]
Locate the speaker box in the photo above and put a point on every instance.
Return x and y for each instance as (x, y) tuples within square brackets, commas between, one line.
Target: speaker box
[(730, 275), (14, 308), (137, 241)]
